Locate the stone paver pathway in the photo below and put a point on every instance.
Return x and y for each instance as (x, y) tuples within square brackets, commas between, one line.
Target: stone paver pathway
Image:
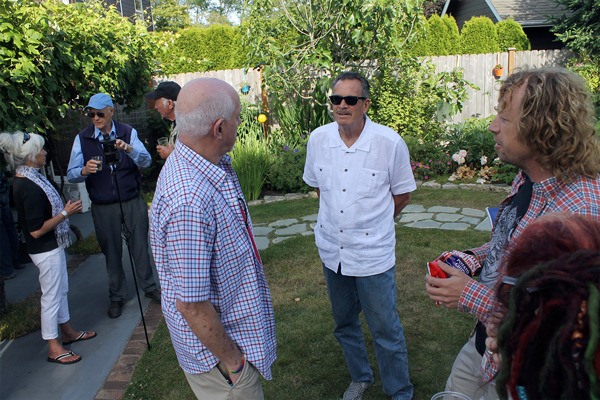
[(413, 216)]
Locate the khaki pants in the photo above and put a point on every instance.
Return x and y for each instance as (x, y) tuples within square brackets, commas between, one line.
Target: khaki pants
[(466, 377), (213, 386)]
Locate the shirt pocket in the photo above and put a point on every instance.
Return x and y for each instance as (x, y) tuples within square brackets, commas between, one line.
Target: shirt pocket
[(371, 182), (323, 176)]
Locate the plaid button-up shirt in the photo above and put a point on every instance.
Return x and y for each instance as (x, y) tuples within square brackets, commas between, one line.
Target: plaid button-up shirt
[(582, 196), (203, 252)]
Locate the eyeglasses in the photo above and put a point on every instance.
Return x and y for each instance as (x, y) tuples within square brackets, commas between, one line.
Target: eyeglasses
[(350, 100), (26, 137), (512, 281), (92, 114)]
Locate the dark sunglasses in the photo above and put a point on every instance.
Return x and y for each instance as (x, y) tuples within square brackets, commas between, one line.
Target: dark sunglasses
[(92, 114), (26, 137), (350, 100)]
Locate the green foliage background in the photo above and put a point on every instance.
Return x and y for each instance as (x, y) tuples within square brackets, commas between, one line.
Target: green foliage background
[(53, 57), (412, 99), (440, 36), (511, 34), (200, 49), (479, 36)]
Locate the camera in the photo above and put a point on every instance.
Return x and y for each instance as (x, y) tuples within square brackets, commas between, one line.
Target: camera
[(111, 154)]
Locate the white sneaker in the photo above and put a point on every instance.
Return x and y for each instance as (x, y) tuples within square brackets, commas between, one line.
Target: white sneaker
[(355, 391)]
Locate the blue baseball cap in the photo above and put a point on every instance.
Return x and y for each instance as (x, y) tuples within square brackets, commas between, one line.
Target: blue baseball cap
[(99, 101)]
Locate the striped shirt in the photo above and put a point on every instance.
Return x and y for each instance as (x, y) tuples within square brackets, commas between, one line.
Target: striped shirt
[(203, 252)]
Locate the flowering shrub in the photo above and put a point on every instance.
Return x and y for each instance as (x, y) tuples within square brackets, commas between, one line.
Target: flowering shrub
[(420, 171), (465, 172), (460, 157), (429, 169), (471, 136), (428, 160)]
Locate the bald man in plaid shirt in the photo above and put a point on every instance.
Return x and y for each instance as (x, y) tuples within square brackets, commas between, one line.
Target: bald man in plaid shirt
[(216, 301)]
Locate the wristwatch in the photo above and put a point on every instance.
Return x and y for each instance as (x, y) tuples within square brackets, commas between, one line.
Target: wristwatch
[(65, 214)]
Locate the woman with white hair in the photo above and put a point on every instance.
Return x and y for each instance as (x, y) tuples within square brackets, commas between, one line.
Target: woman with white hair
[(45, 225)]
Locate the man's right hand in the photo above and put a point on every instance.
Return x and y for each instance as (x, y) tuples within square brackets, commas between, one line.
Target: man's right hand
[(91, 167), (447, 291), (164, 151)]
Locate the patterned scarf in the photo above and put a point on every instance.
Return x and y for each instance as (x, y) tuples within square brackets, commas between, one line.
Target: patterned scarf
[(63, 237)]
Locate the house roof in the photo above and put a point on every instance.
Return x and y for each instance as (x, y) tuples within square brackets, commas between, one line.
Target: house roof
[(528, 13)]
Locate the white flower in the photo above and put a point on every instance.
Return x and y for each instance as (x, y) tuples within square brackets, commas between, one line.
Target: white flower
[(483, 160), (462, 153)]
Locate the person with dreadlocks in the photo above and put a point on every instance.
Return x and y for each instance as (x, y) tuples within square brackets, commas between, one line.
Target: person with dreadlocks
[(549, 338), (546, 127)]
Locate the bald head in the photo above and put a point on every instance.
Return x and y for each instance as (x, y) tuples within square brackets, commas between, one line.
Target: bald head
[(203, 101)]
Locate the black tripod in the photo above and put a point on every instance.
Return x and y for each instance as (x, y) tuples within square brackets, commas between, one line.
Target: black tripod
[(126, 235)]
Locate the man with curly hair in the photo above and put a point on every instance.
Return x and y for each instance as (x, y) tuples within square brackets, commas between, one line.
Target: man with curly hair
[(545, 126)]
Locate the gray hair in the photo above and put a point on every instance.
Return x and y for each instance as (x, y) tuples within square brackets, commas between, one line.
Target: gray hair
[(350, 75), (17, 153), (200, 120), (165, 102)]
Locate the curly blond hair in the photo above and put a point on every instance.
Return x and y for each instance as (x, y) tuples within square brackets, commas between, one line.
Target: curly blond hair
[(557, 121)]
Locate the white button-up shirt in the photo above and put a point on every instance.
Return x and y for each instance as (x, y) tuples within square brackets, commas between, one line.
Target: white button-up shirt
[(355, 225)]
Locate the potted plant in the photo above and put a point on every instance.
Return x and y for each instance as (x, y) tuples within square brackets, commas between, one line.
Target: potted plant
[(497, 71)]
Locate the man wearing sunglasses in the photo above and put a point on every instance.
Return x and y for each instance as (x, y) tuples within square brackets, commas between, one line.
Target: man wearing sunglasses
[(362, 173), (121, 155)]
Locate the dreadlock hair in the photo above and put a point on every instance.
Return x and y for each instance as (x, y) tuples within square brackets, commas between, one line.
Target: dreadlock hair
[(549, 337), (557, 121), (547, 238)]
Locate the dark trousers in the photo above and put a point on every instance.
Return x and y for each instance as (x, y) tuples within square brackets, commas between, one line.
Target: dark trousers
[(107, 223)]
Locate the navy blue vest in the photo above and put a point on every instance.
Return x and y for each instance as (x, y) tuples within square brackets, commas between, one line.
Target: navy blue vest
[(101, 185)]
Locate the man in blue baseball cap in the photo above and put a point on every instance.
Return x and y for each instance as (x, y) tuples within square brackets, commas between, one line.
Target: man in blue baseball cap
[(107, 156)]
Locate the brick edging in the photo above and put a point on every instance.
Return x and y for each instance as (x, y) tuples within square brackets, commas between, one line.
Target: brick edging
[(118, 379)]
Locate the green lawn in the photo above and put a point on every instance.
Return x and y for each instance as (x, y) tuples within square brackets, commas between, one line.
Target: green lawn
[(310, 363)]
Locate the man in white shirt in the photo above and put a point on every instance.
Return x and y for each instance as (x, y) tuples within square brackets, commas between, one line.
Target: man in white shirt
[(362, 173)]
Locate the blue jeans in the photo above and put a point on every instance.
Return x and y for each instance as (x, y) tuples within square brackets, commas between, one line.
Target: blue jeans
[(376, 297)]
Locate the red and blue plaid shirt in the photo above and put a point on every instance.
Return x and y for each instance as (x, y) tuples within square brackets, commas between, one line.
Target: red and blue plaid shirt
[(203, 252), (582, 196)]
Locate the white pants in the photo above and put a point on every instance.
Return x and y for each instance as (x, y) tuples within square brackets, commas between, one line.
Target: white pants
[(54, 282)]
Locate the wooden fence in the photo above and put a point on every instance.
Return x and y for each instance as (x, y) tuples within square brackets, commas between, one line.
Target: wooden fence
[(238, 78), (477, 69)]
